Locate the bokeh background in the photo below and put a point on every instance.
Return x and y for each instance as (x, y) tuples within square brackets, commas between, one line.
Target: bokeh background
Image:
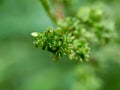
[(24, 67)]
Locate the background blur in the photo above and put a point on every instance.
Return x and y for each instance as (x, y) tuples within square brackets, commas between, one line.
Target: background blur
[(24, 67)]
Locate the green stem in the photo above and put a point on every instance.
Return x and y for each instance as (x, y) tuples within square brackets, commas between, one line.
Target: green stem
[(49, 10)]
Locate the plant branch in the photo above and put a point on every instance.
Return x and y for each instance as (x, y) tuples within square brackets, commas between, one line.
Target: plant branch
[(49, 10)]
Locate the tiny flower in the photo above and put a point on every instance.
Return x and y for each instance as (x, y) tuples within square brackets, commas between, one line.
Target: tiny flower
[(34, 34)]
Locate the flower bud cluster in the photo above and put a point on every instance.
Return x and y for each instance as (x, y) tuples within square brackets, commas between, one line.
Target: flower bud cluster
[(72, 35)]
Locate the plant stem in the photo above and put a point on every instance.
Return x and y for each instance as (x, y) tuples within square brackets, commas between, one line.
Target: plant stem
[(49, 10)]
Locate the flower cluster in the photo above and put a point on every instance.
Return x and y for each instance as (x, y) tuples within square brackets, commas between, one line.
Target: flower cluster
[(98, 23), (60, 42), (91, 24)]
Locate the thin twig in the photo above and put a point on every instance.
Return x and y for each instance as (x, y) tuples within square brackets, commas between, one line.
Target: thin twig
[(49, 10)]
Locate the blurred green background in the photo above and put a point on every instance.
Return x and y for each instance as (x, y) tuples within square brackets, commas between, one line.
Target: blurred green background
[(24, 67)]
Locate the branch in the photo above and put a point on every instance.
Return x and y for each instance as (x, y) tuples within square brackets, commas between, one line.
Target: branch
[(49, 10)]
